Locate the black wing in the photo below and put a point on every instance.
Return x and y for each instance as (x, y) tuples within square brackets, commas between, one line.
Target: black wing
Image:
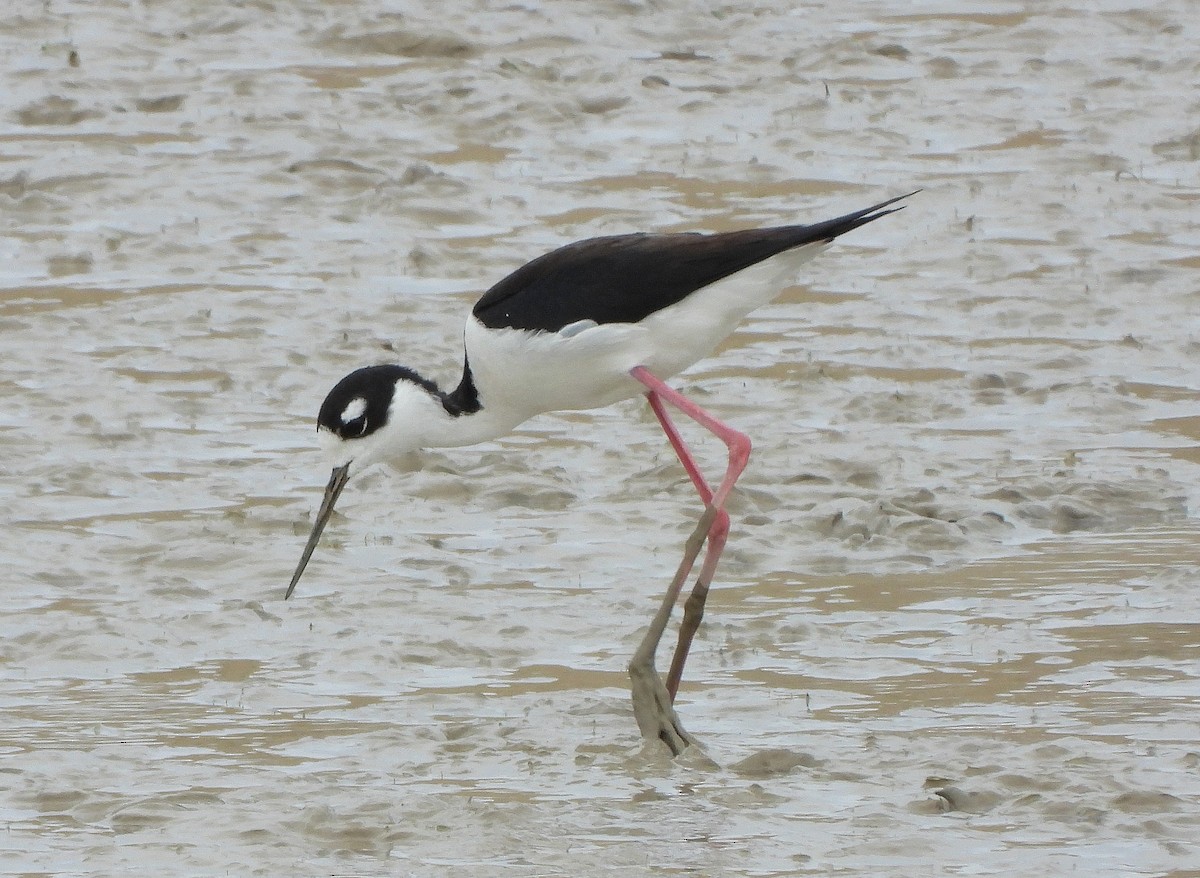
[(625, 278)]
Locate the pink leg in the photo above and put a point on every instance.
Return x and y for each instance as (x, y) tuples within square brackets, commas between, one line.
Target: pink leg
[(656, 718), (737, 443), (681, 449), (693, 609)]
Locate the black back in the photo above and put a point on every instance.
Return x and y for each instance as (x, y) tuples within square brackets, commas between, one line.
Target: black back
[(625, 278)]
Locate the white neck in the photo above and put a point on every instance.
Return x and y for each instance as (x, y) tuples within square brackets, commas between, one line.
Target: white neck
[(444, 430), (424, 422)]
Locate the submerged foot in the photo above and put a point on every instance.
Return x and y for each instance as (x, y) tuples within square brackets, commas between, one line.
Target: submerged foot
[(652, 709)]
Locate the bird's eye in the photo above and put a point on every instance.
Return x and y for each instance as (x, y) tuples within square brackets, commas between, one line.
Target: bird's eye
[(353, 429)]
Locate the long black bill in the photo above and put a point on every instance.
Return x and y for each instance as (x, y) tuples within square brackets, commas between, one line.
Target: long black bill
[(337, 481)]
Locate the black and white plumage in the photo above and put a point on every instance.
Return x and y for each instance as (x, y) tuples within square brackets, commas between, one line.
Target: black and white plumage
[(563, 331), (581, 327)]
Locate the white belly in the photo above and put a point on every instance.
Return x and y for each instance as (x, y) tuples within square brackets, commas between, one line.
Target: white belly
[(530, 373)]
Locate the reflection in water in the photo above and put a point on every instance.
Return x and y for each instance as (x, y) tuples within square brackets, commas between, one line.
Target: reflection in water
[(960, 595)]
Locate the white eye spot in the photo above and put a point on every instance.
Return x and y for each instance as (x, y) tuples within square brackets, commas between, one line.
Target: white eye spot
[(354, 410)]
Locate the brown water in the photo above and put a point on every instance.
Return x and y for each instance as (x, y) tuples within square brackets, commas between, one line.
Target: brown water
[(958, 628)]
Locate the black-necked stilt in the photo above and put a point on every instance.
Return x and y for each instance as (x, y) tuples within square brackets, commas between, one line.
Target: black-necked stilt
[(582, 327)]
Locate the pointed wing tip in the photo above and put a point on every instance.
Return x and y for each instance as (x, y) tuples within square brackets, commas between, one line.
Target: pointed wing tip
[(891, 201)]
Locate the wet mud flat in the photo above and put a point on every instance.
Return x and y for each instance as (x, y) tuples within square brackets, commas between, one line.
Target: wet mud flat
[(956, 627)]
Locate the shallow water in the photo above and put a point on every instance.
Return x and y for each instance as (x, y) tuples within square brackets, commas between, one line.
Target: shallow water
[(957, 626)]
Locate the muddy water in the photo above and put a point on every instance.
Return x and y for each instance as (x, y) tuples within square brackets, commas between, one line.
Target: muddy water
[(957, 630)]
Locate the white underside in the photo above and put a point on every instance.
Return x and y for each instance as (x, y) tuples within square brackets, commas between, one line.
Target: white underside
[(521, 374)]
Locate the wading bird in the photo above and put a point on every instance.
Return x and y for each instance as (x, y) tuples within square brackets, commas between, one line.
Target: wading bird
[(581, 327)]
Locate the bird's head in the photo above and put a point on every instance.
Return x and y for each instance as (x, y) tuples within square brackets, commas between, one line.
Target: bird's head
[(374, 414)]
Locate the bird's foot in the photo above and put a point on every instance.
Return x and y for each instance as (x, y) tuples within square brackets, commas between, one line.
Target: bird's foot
[(656, 717)]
